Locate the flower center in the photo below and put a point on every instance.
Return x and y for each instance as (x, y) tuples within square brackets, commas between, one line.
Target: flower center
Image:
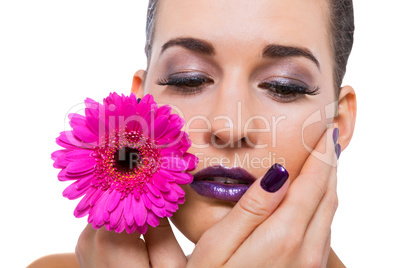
[(127, 159)]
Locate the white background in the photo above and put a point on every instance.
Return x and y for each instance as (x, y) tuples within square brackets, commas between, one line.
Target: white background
[(54, 54)]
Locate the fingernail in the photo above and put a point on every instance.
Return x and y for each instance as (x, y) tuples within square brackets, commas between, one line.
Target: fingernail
[(335, 135), (337, 150), (275, 177), (138, 100)]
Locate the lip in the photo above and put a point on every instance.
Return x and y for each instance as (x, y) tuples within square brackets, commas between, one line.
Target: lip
[(221, 191)]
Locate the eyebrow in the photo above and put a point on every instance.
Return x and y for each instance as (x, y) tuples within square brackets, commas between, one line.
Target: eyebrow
[(269, 51), (193, 44), (280, 51)]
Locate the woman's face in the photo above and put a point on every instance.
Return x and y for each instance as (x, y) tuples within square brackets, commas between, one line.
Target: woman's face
[(243, 57)]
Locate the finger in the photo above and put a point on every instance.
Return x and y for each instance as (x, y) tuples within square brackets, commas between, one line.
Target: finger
[(287, 226), (320, 225), (307, 190), (102, 248), (327, 250), (163, 248), (126, 248), (256, 205)]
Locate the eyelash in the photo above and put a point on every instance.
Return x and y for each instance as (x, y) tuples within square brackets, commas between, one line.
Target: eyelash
[(182, 84), (289, 92), (279, 90)]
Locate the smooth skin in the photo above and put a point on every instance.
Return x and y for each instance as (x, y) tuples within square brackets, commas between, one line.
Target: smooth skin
[(289, 228), (259, 221)]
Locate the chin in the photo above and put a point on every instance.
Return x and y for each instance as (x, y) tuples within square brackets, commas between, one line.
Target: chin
[(198, 214)]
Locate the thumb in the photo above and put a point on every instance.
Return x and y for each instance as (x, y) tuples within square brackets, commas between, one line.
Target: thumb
[(254, 207)]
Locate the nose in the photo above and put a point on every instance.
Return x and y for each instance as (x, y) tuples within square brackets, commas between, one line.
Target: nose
[(231, 114)]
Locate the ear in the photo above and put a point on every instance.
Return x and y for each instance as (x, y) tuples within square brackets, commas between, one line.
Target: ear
[(137, 86), (346, 116)]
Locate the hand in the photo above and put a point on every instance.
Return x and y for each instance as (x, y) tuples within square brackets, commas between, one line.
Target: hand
[(288, 228), (102, 248)]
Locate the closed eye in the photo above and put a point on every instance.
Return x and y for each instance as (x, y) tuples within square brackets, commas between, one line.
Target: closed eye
[(186, 85), (286, 92)]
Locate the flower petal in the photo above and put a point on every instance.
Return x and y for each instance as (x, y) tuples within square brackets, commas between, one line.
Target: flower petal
[(62, 176), (116, 215), (71, 192), (147, 202), (157, 201), (94, 198), (128, 209), (80, 154), (131, 228), (113, 200), (83, 206), (171, 196), (81, 166), (172, 207), (67, 137), (152, 219), (169, 214), (65, 176), (148, 127), (130, 116), (99, 209), (171, 152), (59, 153), (171, 133), (92, 115), (178, 189), (61, 162), (140, 213), (160, 182), (121, 226), (142, 229), (192, 161), (164, 110), (85, 134), (84, 182), (161, 126), (153, 190), (182, 177), (77, 120), (181, 200), (174, 163), (167, 175), (78, 175), (160, 212)]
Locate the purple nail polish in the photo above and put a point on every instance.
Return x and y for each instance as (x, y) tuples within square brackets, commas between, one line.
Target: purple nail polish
[(335, 135), (275, 177), (138, 100), (337, 150)]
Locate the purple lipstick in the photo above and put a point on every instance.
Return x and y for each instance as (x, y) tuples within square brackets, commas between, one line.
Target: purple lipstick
[(219, 182)]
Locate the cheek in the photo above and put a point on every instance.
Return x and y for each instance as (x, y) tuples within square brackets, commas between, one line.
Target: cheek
[(289, 142), (294, 138)]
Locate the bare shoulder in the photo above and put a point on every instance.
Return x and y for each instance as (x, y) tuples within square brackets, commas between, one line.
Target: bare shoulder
[(334, 261), (63, 260)]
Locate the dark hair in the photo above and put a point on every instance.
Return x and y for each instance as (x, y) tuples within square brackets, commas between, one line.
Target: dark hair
[(341, 26)]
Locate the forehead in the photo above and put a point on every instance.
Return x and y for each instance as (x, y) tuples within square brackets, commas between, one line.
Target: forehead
[(247, 24)]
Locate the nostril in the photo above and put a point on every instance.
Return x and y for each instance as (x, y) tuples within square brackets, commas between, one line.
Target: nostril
[(217, 142), (231, 142)]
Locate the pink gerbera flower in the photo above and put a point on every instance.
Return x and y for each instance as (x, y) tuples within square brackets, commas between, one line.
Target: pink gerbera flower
[(127, 159)]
